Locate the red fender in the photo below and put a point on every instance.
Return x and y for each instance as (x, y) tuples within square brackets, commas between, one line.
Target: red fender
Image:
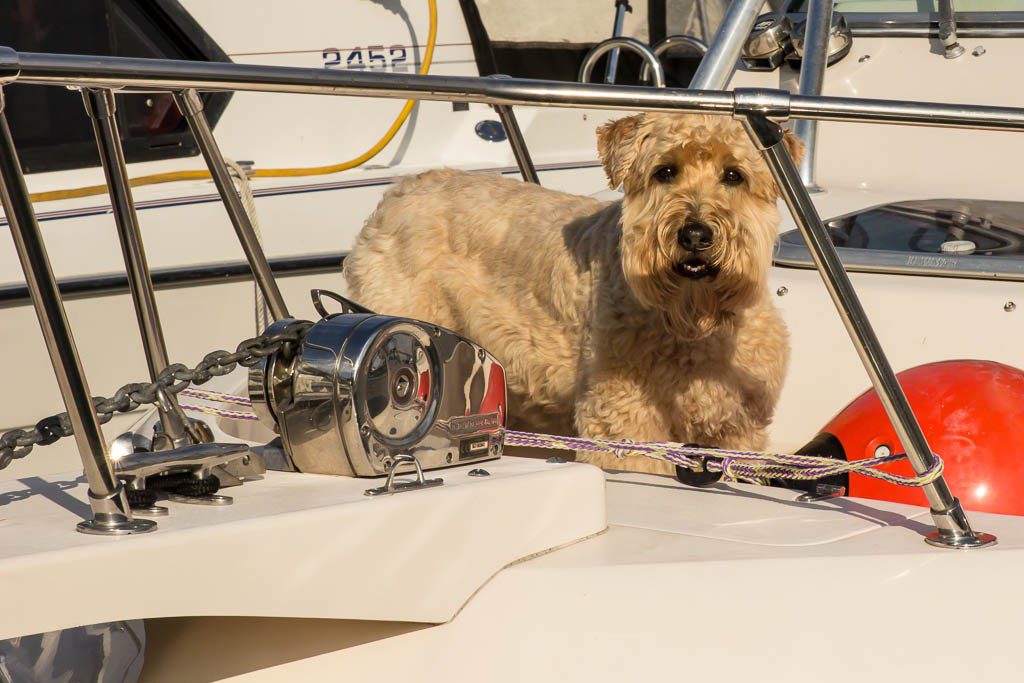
[(971, 412)]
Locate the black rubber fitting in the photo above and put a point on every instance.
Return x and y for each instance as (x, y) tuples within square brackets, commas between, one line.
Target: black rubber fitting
[(701, 479), (140, 498), (185, 484)]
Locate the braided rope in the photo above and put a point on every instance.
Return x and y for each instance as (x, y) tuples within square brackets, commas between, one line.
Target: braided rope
[(750, 466), (736, 465), (215, 396), (244, 188), (219, 412)]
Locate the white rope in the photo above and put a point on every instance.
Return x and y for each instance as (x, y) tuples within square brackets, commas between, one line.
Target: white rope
[(262, 314), (750, 466)]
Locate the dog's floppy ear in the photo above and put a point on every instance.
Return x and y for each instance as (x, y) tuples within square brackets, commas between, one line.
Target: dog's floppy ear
[(617, 145), (795, 146)]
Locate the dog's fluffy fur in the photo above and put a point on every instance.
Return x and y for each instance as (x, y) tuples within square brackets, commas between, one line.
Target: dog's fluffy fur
[(589, 305)]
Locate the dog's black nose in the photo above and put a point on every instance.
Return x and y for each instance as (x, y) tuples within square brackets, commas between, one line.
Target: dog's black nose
[(695, 237)]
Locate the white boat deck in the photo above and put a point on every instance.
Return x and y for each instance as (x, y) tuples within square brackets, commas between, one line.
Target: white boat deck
[(293, 545), (726, 584)]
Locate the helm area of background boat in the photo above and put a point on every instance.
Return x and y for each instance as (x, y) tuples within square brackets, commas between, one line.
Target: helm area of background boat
[(342, 413)]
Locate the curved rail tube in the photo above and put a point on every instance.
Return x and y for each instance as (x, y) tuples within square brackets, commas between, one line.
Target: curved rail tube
[(650, 59), (670, 42)]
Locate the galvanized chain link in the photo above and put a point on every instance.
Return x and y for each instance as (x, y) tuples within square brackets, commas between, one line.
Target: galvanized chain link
[(17, 443)]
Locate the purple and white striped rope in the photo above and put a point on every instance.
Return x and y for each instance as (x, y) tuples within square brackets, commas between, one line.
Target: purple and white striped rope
[(215, 396), (220, 412), (749, 466), (736, 465)]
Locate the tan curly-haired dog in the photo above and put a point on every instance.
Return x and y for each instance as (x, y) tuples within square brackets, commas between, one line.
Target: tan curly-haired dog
[(646, 319)]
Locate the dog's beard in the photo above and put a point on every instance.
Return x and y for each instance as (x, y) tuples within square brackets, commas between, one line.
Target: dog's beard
[(696, 294)]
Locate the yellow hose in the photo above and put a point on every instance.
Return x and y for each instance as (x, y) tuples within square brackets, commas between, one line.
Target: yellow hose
[(172, 176)]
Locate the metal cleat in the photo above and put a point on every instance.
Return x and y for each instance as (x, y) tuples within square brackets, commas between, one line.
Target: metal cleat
[(392, 486), (190, 474), (822, 492)]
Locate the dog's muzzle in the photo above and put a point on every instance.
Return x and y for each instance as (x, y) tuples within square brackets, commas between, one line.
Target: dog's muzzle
[(695, 239), (363, 388)]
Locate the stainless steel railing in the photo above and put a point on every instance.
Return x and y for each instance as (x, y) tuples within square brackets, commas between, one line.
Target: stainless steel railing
[(100, 106), (157, 75), (760, 110), (621, 9), (812, 78), (651, 63), (107, 497), (191, 107), (671, 43), (951, 47), (719, 62)]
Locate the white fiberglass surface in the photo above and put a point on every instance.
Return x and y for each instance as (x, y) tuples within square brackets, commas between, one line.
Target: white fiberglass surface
[(756, 515), (299, 545)]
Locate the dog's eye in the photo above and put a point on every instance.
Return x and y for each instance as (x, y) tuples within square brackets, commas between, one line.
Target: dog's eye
[(732, 176), (665, 174)]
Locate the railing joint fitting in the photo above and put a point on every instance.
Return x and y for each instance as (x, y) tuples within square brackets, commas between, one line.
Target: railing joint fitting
[(763, 102), (10, 67)]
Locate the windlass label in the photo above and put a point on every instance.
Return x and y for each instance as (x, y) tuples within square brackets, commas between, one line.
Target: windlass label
[(457, 426)]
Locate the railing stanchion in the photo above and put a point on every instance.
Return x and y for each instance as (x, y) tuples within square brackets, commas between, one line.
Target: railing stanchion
[(107, 497), (191, 106), (518, 143), (951, 47), (812, 78), (621, 8), (516, 140), (719, 62), (100, 105), (953, 528)]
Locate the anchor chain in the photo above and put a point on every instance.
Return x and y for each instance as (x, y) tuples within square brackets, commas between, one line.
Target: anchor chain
[(17, 443)]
